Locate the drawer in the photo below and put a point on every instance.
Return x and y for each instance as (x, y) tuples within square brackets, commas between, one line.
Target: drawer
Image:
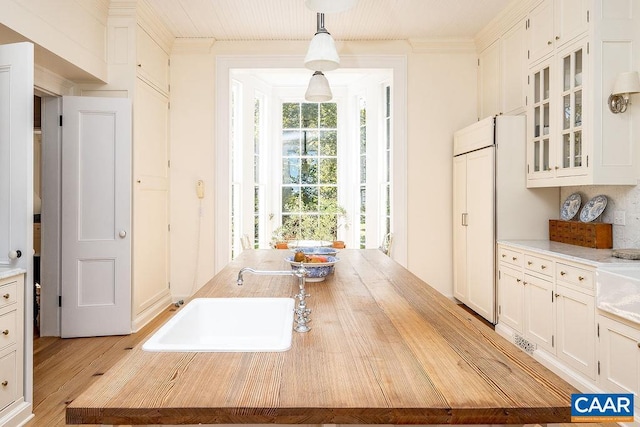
[(8, 379), (538, 265), (8, 294), (510, 257), (577, 276), (8, 329)]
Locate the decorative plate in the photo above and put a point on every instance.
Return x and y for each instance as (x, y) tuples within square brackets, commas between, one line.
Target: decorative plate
[(570, 207), (317, 271), (593, 208)]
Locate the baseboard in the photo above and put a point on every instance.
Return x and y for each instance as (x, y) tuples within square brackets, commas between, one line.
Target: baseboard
[(151, 312), (17, 414)]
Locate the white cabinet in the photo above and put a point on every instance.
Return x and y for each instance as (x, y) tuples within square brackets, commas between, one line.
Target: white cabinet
[(549, 301), (553, 23), (11, 348), (573, 139), (619, 353), (474, 234), (501, 67), (575, 322), (489, 81)]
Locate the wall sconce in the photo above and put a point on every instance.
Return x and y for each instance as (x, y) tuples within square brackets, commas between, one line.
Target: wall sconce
[(319, 89), (322, 54), (626, 84)]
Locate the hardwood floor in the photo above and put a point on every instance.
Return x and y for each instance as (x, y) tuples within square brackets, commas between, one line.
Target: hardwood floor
[(63, 368)]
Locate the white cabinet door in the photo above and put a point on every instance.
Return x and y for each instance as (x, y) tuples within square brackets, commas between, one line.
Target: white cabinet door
[(459, 229), (541, 34), (619, 351), (489, 80), (571, 20), (511, 298), (481, 232), (514, 69), (575, 325), (539, 312)]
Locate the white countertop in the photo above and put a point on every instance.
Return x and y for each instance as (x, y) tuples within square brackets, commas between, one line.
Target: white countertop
[(9, 272), (589, 256)]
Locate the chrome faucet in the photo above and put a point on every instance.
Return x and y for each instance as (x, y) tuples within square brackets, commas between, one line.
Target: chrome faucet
[(301, 310)]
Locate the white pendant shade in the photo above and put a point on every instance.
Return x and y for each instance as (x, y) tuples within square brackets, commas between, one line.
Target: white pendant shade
[(329, 6), (318, 90), (627, 83), (322, 54)]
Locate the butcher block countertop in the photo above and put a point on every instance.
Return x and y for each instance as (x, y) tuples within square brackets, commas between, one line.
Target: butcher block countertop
[(384, 348)]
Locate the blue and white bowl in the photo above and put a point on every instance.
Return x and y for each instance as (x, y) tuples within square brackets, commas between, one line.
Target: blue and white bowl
[(317, 271), (317, 250)]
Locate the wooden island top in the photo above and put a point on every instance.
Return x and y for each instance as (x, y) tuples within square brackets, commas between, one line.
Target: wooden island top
[(384, 348)]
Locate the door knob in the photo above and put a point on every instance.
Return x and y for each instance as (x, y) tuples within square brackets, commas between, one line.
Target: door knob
[(5, 332), (15, 254), (122, 234)]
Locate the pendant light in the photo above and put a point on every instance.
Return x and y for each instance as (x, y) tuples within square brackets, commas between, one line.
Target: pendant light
[(318, 90), (322, 54), (329, 6)]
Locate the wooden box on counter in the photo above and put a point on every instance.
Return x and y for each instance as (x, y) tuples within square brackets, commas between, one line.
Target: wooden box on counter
[(598, 235)]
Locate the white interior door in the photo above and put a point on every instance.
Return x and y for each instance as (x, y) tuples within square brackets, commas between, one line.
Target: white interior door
[(96, 216), (16, 157)]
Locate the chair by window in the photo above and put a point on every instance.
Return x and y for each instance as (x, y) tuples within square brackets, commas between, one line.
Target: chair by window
[(387, 241), (245, 241)]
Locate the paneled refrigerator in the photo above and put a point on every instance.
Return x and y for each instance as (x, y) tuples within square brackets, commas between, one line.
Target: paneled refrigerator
[(491, 202)]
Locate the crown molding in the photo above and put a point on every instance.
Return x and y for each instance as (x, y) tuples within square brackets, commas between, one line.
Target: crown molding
[(184, 45), (442, 45)]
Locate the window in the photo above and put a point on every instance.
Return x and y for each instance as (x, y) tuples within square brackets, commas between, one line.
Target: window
[(362, 131), (386, 193), (309, 170)]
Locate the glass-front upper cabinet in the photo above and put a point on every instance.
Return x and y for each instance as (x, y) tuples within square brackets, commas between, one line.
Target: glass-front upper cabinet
[(573, 160), (539, 140)]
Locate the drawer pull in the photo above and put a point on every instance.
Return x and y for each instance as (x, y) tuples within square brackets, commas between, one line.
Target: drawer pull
[(543, 267), (504, 255), (529, 263), (580, 278), (518, 280), (5, 332), (515, 258), (5, 383), (562, 273), (6, 296)]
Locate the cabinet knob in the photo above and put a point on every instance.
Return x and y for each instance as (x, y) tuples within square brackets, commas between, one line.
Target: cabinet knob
[(580, 278), (639, 345), (557, 167), (5, 383), (504, 255), (6, 296), (5, 332), (562, 273), (557, 295), (518, 280), (515, 258), (15, 254), (529, 263), (543, 267), (557, 37), (549, 42)]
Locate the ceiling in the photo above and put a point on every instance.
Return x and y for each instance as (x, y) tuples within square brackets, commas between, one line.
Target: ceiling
[(369, 20)]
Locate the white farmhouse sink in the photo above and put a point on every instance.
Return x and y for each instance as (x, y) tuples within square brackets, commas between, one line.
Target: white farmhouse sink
[(618, 290), (227, 325)]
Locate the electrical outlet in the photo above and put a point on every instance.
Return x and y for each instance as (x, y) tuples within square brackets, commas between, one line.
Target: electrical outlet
[(619, 217)]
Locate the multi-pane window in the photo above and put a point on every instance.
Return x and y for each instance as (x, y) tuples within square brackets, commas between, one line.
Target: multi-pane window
[(309, 168), (387, 164), (362, 130), (236, 170)]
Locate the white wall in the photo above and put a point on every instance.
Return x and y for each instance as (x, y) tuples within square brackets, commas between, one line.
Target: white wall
[(192, 118), (441, 99), (72, 34)]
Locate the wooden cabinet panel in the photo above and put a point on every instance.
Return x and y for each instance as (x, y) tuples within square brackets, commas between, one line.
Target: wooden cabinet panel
[(511, 298), (8, 380), (489, 81), (539, 312), (513, 69)]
